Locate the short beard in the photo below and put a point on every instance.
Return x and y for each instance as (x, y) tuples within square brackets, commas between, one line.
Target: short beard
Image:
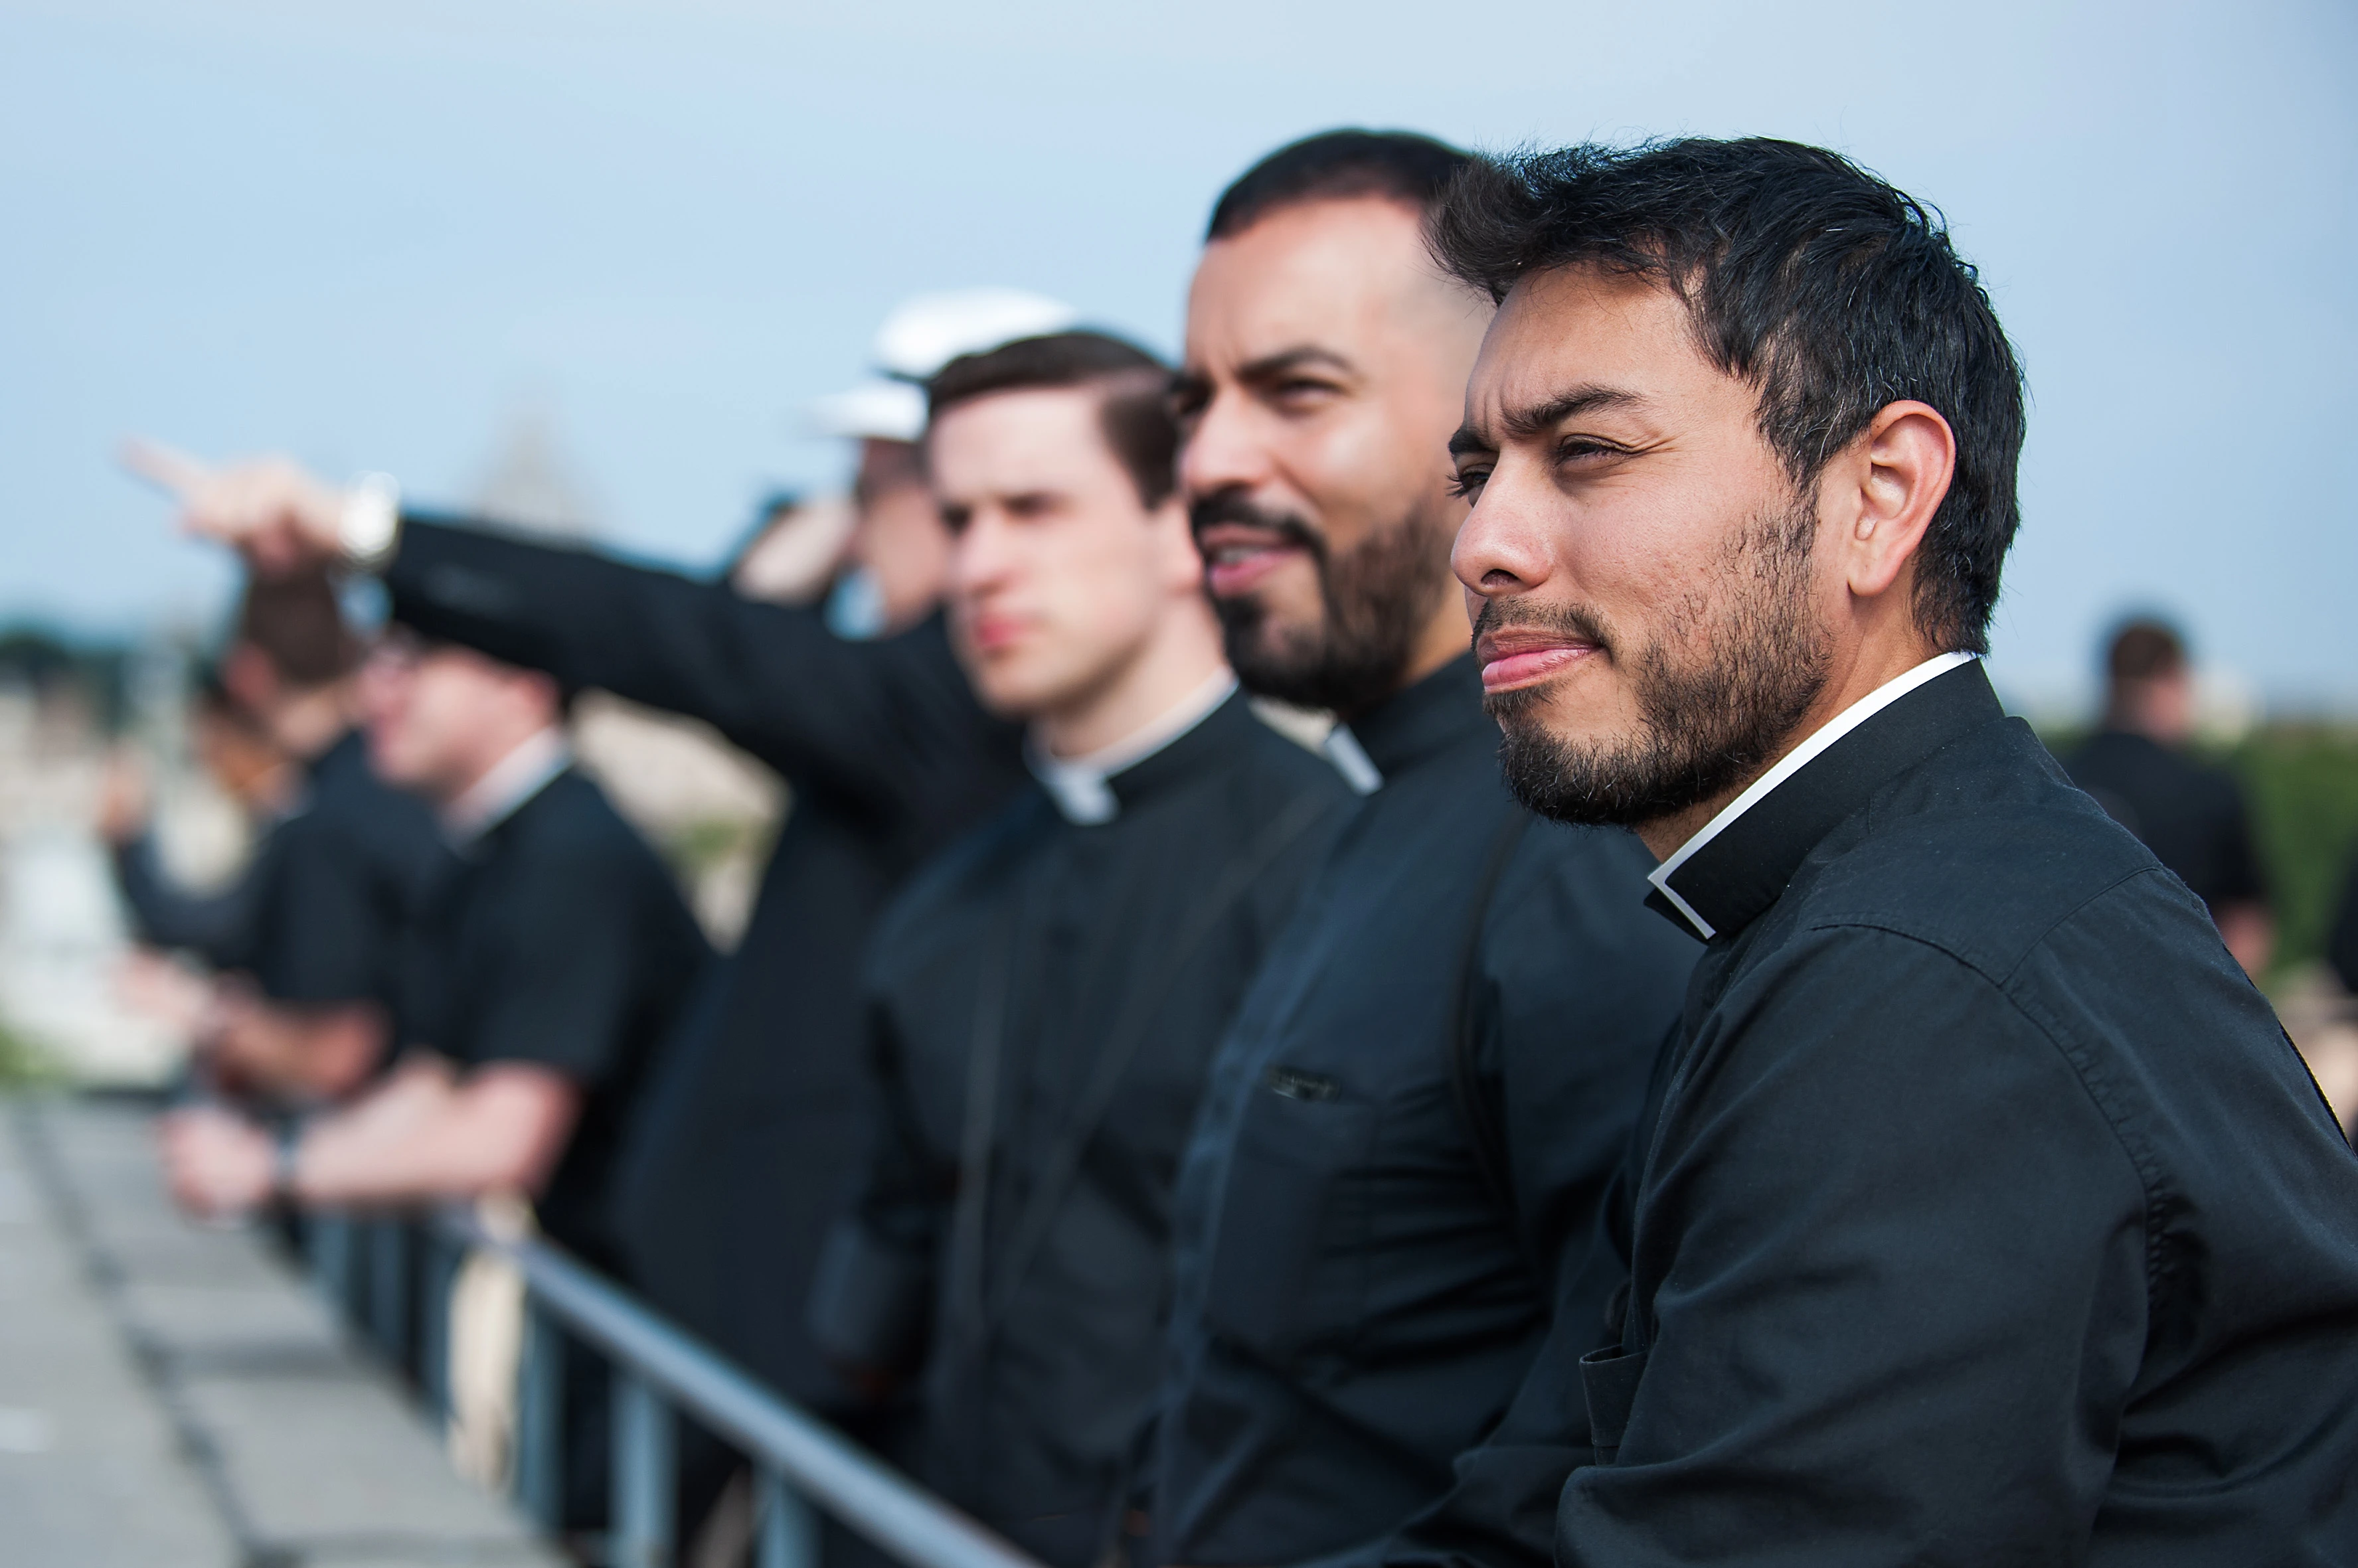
[(1376, 598), (1718, 694)]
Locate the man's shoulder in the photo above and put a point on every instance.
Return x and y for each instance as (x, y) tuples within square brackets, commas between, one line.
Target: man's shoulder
[(1981, 852), (571, 823)]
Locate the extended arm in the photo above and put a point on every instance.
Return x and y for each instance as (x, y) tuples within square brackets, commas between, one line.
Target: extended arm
[(873, 719), (416, 1137)]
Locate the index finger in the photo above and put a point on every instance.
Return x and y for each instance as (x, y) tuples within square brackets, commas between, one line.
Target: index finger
[(166, 467)]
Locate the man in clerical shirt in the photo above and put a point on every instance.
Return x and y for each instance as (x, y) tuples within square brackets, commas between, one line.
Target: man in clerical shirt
[(1042, 1001), (1983, 1212), (1410, 1126), (741, 1150)]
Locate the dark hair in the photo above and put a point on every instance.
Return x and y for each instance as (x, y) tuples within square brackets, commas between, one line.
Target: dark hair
[(2144, 649), (1135, 413), (1830, 291), (296, 622), (1336, 166)]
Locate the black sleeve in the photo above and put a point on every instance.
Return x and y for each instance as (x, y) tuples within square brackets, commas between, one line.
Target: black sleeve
[(570, 990), (323, 934), (1898, 1272), (2342, 946), (872, 1298), (213, 925), (2241, 879), (1583, 986), (870, 719)]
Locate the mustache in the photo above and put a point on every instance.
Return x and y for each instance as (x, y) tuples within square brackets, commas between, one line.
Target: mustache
[(1235, 506), (1567, 619)]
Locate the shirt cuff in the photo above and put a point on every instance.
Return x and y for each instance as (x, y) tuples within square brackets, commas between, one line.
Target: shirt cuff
[(369, 529)]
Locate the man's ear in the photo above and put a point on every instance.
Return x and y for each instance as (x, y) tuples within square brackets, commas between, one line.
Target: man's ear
[(1896, 473)]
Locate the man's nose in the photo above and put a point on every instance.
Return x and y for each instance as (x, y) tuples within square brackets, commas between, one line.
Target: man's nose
[(1502, 546), (1225, 450)]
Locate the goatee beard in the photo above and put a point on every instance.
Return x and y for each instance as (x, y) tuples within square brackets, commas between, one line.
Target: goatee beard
[(1376, 597), (1716, 698)]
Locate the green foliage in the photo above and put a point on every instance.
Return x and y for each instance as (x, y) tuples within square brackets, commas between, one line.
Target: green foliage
[(23, 1064), (2302, 780)]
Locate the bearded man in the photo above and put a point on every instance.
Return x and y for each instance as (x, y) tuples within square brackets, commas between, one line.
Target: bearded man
[(1411, 1124), (1982, 1212)]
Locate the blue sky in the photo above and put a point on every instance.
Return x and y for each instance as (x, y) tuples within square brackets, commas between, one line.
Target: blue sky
[(376, 236)]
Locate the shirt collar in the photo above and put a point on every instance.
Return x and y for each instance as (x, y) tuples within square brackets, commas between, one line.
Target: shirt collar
[(501, 793), (1722, 879), (1079, 785), (1428, 717)]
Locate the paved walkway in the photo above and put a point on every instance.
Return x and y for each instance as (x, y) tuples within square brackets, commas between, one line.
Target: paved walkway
[(171, 1397)]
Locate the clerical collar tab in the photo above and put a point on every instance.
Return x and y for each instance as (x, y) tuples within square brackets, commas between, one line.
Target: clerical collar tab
[(1082, 788), (1724, 878)]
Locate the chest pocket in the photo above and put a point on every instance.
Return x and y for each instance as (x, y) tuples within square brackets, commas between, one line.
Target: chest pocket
[(1281, 1281)]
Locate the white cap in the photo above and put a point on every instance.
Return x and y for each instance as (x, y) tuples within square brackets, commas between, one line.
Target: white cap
[(919, 338)]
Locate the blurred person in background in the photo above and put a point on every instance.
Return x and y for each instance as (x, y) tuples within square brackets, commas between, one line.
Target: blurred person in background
[(745, 1145), (551, 968), (1409, 1128), (309, 944), (1981, 1212), (1044, 1000), (2141, 769), (253, 774)]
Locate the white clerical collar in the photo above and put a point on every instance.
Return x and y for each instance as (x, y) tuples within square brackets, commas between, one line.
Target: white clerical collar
[(1351, 760), (1792, 762), (1078, 784), (511, 781)]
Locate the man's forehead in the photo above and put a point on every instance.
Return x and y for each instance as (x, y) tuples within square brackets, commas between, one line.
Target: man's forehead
[(1321, 273), (1563, 333), (1018, 439)]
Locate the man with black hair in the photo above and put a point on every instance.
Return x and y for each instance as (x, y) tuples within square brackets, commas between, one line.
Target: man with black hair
[(545, 968), (2189, 814), (1043, 1000), (1982, 1212), (548, 972), (1411, 1124)]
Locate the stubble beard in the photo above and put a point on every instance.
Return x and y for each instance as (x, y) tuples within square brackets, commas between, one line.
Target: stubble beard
[(1717, 694), (1376, 599)]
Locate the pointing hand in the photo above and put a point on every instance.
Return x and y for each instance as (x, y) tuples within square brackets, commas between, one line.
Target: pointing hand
[(278, 515)]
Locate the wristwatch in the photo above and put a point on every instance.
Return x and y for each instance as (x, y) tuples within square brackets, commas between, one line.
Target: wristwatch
[(284, 1151), (370, 523)]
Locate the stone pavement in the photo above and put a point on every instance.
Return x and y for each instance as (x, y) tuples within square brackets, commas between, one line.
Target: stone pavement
[(173, 1397)]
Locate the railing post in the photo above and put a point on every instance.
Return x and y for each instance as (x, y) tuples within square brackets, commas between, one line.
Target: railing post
[(329, 1238), (539, 1466), (434, 1321), (643, 1474), (388, 1289), (788, 1526)]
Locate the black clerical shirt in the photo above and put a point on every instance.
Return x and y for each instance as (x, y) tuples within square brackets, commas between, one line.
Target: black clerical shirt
[(748, 1138), (2191, 815), (1400, 1150), (1043, 1004), (1988, 1216), (561, 941), (336, 886)]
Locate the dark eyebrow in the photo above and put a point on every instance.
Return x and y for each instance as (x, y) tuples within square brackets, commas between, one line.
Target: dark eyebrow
[(1523, 424), (1269, 367), (1527, 423)]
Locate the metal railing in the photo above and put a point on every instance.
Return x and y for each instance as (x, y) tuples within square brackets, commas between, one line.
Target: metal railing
[(369, 1269)]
